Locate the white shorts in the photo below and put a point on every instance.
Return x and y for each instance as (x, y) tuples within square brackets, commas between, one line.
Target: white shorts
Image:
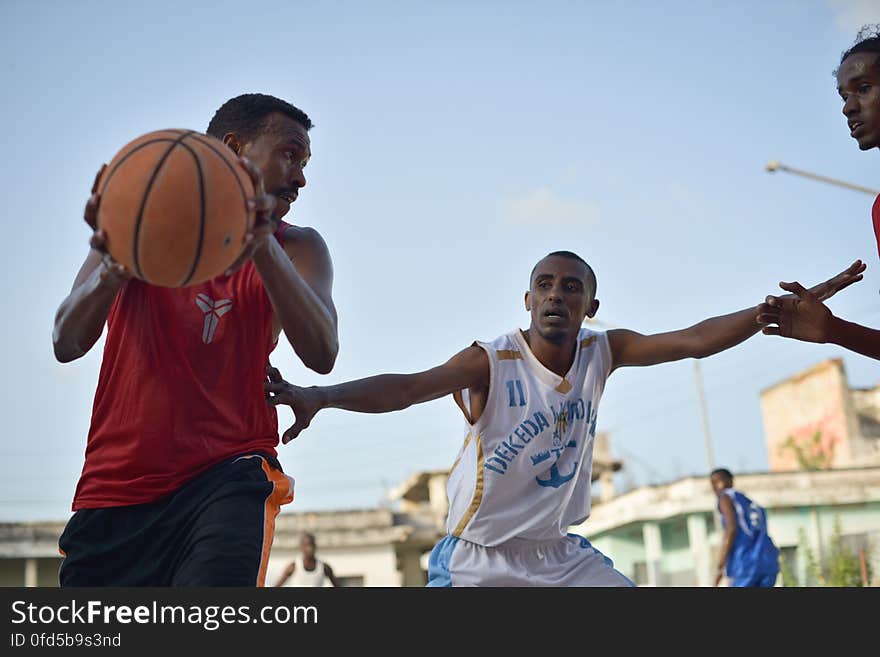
[(569, 561)]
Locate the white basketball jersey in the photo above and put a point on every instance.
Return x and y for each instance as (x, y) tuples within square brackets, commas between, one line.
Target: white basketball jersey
[(524, 469), (303, 577)]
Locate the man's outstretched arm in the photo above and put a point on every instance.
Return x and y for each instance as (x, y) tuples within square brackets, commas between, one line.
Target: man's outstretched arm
[(711, 336), (379, 394)]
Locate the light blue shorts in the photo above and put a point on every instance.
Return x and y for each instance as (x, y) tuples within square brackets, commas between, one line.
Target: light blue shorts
[(568, 561)]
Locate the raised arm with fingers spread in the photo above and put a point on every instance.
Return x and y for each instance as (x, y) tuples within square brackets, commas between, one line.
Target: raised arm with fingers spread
[(380, 394)]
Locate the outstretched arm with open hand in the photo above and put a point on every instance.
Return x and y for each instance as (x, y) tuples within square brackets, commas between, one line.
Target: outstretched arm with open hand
[(802, 316), (378, 394)]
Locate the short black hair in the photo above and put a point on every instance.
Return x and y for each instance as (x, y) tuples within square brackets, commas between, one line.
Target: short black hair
[(724, 472), (867, 40), (591, 275), (246, 115)]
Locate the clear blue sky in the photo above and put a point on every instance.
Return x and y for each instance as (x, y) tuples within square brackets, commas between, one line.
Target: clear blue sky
[(455, 144)]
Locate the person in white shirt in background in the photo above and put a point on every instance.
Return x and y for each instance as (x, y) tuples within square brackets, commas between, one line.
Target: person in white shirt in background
[(307, 570)]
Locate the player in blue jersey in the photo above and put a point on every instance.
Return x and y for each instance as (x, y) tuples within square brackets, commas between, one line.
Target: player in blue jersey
[(748, 555)]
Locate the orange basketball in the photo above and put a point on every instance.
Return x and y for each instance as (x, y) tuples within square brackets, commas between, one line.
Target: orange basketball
[(174, 207)]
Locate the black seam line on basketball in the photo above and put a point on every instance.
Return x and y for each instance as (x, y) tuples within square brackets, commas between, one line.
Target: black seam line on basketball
[(140, 215), (198, 253), (213, 148), (134, 150)]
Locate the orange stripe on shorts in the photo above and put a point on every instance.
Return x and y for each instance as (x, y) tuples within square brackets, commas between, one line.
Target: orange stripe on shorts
[(282, 493)]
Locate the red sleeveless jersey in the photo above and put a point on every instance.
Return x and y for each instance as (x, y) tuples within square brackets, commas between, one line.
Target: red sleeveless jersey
[(875, 215), (180, 387)]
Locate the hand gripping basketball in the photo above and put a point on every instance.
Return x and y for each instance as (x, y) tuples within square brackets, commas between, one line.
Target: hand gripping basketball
[(175, 207), (263, 204), (112, 272)]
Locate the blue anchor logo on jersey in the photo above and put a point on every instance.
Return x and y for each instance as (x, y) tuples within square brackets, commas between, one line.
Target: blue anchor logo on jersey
[(563, 420), (556, 480)]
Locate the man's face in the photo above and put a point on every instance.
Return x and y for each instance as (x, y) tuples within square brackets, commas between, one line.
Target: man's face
[(281, 151), (719, 483), (560, 297), (307, 545), (858, 83)]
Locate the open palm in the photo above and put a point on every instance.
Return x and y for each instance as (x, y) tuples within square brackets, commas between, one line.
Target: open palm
[(305, 402)]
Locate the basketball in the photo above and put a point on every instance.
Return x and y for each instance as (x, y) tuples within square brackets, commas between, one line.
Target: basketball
[(174, 207)]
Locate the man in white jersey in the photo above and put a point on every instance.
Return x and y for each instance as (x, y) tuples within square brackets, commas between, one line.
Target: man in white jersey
[(530, 401), (307, 570)]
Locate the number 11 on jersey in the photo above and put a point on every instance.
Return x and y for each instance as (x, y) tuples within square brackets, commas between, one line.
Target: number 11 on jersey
[(510, 392)]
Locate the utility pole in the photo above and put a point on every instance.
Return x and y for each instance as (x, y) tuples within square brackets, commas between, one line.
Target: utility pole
[(704, 412), (707, 435)]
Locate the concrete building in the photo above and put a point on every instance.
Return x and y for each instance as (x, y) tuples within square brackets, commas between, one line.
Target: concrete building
[(823, 446), (668, 535), (372, 547), (814, 420), (657, 535), (29, 553), (386, 546)]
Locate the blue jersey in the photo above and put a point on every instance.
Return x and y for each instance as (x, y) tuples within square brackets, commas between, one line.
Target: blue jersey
[(753, 552)]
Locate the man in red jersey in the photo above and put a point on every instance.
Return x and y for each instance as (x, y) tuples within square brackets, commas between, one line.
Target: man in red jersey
[(181, 485), (858, 83)]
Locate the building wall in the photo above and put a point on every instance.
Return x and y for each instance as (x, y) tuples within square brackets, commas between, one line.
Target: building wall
[(12, 572), (867, 407), (376, 566), (820, 400), (43, 571), (625, 549), (793, 529), (794, 410), (784, 525), (677, 563), (412, 571), (47, 571), (678, 522), (365, 547)]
